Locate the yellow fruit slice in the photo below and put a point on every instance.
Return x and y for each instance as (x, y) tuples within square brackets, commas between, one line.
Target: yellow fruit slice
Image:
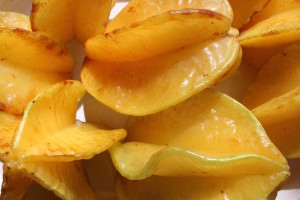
[(15, 183), (209, 134), (90, 17), (279, 29), (67, 180), (53, 18), (80, 141), (138, 10), (193, 188), (20, 85), (17, 20), (143, 87), (243, 10), (272, 8), (280, 118), (8, 125), (280, 75), (157, 35)]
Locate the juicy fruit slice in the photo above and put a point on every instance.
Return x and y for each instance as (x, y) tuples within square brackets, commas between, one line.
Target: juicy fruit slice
[(80, 141), (143, 87), (138, 10), (228, 187), (280, 75), (90, 17), (243, 10), (280, 29), (15, 94), (15, 183), (17, 20), (157, 35), (67, 180), (280, 118), (8, 124), (53, 18)]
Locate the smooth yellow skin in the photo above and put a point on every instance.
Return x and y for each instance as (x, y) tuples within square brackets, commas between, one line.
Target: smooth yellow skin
[(139, 10), (157, 35), (280, 75), (143, 87), (15, 183), (62, 20), (199, 188), (243, 10), (272, 8), (17, 20), (279, 29), (280, 118)]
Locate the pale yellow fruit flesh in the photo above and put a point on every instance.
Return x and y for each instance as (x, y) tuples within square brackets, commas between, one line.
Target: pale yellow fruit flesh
[(157, 35), (279, 29), (143, 87), (90, 17), (138, 10), (243, 10), (8, 124), (280, 75), (33, 51), (20, 85), (53, 18), (280, 118), (13, 19), (80, 141), (194, 188), (15, 183)]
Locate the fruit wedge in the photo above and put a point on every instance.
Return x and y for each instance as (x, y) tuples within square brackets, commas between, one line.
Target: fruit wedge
[(139, 10), (13, 19), (157, 35), (143, 87)]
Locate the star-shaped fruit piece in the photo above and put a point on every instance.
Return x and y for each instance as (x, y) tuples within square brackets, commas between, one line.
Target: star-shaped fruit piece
[(48, 143), (207, 147), (62, 20), (146, 65)]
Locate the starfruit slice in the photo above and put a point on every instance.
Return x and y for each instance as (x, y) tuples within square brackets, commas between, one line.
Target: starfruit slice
[(61, 20), (13, 19), (279, 76), (15, 183), (139, 10), (280, 118), (243, 10), (48, 131), (208, 187), (209, 134), (279, 29), (143, 87), (157, 35)]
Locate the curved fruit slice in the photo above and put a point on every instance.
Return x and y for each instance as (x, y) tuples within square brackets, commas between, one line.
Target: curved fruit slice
[(33, 51), (15, 183), (53, 18), (280, 29), (17, 20), (228, 187), (210, 134), (80, 141), (243, 10), (143, 87), (280, 118), (272, 8), (90, 17), (67, 180), (138, 10), (157, 35), (8, 125), (280, 75)]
